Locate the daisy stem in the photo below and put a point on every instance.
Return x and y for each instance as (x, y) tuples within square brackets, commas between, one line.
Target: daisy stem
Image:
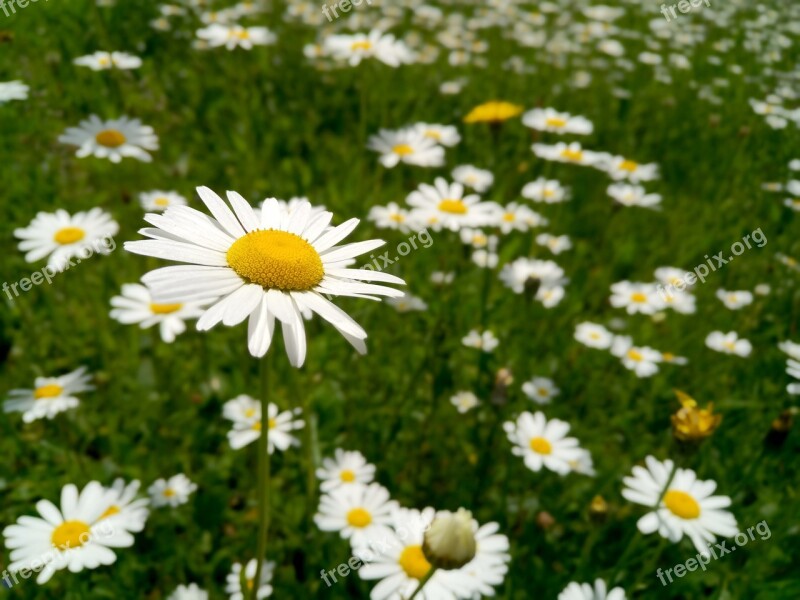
[(422, 583), (263, 478)]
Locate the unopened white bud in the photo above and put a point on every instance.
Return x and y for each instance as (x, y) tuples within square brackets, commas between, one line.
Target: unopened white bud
[(450, 541)]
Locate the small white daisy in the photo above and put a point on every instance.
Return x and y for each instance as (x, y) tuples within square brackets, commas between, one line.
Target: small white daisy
[(641, 298), (444, 135), (542, 443), (594, 336), (544, 190), (550, 120), (49, 396), (124, 509), (279, 436), (555, 243), (13, 90), (102, 61), (619, 167), (236, 36), (135, 305), (735, 300), (464, 401), (159, 200), (188, 592), (115, 139), (240, 581), (585, 591), (407, 145), (171, 492), (344, 469), (633, 195), (479, 180), (485, 340), (728, 343), (444, 205), (358, 512), (642, 360), (540, 389)]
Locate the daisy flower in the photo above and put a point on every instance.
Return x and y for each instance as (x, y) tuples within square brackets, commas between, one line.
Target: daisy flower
[(555, 243), (683, 506), (345, 469), (485, 340), (735, 300), (240, 581), (585, 591), (517, 217), (49, 396), (493, 112), (407, 303), (464, 401), (188, 592), (488, 568), (444, 205), (642, 360), (542, 443), (540, 389), (399, 562), (13, 90), (406, 145), (242, 409), (101, 61), (115, 139), (171, 492), (124, 510), (672, 276), (135, 305), (391, 216), (619, 167), (355, 48), (279, 436), (479, 180), (235, 36), (641, 298), (358, 512), (70, 537), (62, 237), (548, 119), (262, 265), (594, 335), (728, 343), (544, 190), (633, 195), (522, 272), (159, 200), (444, 135), (568, 153)]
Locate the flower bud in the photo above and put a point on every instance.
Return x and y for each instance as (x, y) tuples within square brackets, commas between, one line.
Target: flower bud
[(449, 542)]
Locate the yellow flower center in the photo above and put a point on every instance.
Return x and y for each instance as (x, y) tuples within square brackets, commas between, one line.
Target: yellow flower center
[(169, 493), (110, 138), (730, 346), (358, 517), (243, 34), (573, 155), (103, 61), (542, 391), (397, 218), (70, 534), (47, 391), (276, 260), (634, 355), (435, 135), (362, 45), (455, 207), (413, 562), (161, 201), (271, 424), (547, 193), (249, 412), (347, 476), (541, 445), (668, 356), (628, 165), (69, 235), (638, 297), (555, 122), (509, 217), (403, 149), (682, 504), (110, 511), (164, 309)]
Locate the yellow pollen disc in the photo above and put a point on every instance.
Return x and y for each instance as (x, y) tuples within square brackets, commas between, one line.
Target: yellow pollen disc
[(628, 165), (164, 309), (730, 346), (509, 217), (555, 122), (243, 34), (110, 511), (69, 235), (347, 476), (397, 218), (169, 493), (548, 193), (363, 45), (249, 583), (682, 504), (249, 412), (272, 423), (455, 207), (594, 335), (70, 534), (413, 562), (634, 355), (541, 445), (110, 138), (668, 356), (276, 260), (358, 517), (433, 134), (542, 392), (638, 297), (103, 61), (48, 391), (574, 155), (161, 202), (403, 149)]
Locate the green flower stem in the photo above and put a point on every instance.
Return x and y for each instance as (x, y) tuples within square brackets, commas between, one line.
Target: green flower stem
[(263, 478), (422, 583)]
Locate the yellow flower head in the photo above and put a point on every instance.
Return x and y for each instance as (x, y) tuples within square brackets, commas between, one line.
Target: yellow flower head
[(493, 112), (690, 423)]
